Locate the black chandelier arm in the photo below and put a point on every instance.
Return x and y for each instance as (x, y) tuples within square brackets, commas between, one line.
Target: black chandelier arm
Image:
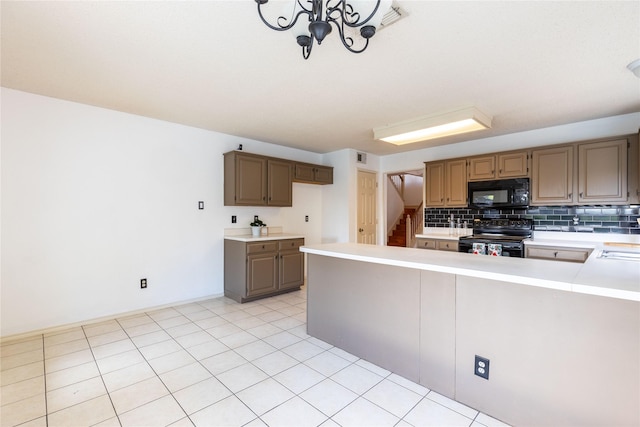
[(348, 16), (280, 26)]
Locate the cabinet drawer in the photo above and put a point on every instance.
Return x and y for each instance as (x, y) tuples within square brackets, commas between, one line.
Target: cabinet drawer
[(447, 245), (290, 245), (558, 254), (256, 248), (427, 244)]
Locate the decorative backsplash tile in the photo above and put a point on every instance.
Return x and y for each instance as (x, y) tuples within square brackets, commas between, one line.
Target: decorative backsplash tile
[(586, 219)]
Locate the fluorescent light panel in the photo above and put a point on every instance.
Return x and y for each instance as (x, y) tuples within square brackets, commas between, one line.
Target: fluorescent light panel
[(435, 126)]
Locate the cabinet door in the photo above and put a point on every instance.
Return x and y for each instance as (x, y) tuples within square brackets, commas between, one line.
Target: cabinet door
[(426, 244), (262, 274), (304, 172), (250, 180), (434, 184), (323, 175), (602, 172), (456, 183), (447, 245), (552, 176), (291, 269), (279, 183), (557, 254), (513, 165), (482, 168)]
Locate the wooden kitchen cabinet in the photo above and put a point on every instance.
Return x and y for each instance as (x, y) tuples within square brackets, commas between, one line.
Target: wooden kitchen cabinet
[(313, 174), (446, 183), (253, 180), (255, 270), (513, 165), (437, 244), (552, 176), (482, 168), (499, 166), (602, 172), (557, 253)]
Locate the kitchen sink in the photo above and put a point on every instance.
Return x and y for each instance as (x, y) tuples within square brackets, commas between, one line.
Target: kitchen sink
[(620, 255)]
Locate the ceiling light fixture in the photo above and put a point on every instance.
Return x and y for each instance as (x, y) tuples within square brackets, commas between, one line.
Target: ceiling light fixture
[(634, 67), (434, 126), (312, 20)]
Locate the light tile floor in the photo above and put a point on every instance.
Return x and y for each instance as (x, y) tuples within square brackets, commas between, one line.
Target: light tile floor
[(210, 363)]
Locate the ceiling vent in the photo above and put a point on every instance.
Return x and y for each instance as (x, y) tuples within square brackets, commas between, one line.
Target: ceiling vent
[(394, 14)]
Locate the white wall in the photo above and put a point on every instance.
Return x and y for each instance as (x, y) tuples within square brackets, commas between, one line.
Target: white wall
[(93, 200)]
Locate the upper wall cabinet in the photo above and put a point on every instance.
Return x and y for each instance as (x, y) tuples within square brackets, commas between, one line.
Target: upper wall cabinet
[(312, 174), (446, 183), (552, 176), (582, 173), (498, 166), (252, 180), (602, 172)]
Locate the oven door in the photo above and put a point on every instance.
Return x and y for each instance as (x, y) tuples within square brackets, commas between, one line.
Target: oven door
[(510, 248)]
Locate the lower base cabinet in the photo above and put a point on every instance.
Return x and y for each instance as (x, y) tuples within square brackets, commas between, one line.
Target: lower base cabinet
[(438, 244), (254, 270), (557, 253)]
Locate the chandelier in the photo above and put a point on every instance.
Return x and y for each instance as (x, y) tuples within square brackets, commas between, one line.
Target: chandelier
[(312, 20)]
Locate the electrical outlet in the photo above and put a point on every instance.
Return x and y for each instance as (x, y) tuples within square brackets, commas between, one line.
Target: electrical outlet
[(143, 283), (481, 367), (200, 205), (233, 219), (306, 218), (255, 217)]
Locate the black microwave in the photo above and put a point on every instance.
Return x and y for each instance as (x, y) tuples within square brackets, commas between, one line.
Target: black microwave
[(499, 194)]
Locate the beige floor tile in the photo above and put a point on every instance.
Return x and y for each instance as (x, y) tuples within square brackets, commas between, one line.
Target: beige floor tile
[(150, 338), (160, 412), (185, 376), (143, 329), (111, 422), (22, 390), (65, 348), (195, 338), (101, 328), (264, 396), (11, 348), (186, 422), (452, 404), (223, 362), (200, 315), (173, 322), (68, 360), (295, 413), (72, 375), (282, 339), (189, 308), (164, 313), (75, 393), (243, 376), (329, 397), (299, 378), (160, 349), (255, 350), (211, 322), (265, 330), (356, 378), (393, 397), (119, 361), (107, 338), (87, 413), (223, 330), (171, 361), (228, 412), (10, 362), (111, 349), (430, 413), (64, 336), (207, 349), (364, 413), (327, 363), (238, 339), (302, 350), (136, 320), (38, 422), (201, 395), (138, 394), (21, 373), (186, 329), (125, 377), (23, 411), (274, 363)]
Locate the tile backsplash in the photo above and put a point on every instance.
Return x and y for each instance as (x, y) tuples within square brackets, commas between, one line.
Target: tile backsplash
[(586, 219)]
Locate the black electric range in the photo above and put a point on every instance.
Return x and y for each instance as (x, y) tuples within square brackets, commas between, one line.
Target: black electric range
[(498, 237)]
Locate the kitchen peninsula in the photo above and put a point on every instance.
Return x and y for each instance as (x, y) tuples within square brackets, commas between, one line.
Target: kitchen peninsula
[(563, 339)]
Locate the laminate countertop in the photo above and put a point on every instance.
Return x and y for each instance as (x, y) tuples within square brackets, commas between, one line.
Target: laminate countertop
[(264, 238), (597, 276)]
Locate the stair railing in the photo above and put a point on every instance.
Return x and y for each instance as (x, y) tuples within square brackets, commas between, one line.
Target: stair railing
[(415, 226), (398, 182)]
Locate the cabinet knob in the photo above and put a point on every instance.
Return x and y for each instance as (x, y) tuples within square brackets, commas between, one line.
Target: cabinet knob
[(580, 194), (361, 229), (570, 195), (555, 254)]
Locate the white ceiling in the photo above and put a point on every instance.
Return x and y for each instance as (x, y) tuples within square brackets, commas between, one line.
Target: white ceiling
[(215, 65)]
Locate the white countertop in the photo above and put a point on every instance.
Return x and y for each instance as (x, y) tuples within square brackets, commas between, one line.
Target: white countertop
[(603, 277), (264, 238), (444, 233)]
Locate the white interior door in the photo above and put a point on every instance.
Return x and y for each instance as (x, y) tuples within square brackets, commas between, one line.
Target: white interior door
[(367, 189)]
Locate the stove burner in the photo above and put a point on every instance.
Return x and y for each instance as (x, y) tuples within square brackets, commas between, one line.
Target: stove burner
[(508, 233)]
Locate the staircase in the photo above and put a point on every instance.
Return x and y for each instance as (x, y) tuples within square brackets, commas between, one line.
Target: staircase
[(399, 235)]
